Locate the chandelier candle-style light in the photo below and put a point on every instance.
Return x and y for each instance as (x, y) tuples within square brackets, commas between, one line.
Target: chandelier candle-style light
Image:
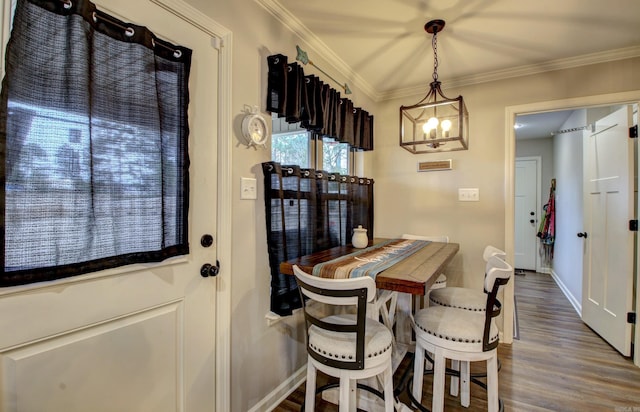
[(436, 123)]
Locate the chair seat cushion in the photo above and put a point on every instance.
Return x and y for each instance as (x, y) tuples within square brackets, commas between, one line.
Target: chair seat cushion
[(454, 325), (461, 298), (342, 346)]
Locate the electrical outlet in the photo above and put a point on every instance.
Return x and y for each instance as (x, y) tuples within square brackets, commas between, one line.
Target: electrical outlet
[(469, 194), (248, 188)]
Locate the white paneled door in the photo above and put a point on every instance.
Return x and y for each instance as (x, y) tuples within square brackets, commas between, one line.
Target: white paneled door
[(607, 286), (526, 212), (139, 338)]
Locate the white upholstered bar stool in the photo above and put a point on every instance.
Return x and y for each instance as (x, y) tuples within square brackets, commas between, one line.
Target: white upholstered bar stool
[(346, 346), (468, 299), (462, 335)]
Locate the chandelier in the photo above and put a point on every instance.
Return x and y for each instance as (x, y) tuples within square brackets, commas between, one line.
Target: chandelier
[(436, 123)]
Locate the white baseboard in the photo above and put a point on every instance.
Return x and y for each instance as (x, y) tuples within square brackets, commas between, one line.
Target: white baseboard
[(572, 299), (286, 388)]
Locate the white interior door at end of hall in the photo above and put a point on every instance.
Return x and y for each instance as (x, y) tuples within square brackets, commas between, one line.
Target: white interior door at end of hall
[(139, 338), (526, 219), (607, 284)]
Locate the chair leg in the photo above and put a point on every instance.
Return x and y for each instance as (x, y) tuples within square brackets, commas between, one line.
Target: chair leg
[(439, 369), (388, 389), (310, 394), (418, 373), (348, 399), (455, 382), (492, 384), (465, 390)]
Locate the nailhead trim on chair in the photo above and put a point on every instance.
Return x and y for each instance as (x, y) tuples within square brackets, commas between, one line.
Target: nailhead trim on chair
[(438, 302), (454, 339), (338, 356)]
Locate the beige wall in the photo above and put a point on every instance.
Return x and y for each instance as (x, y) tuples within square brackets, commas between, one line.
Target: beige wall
[(264, 357)]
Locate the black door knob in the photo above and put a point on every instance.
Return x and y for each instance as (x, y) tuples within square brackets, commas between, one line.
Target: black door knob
[(532, 213), (210, 270), (532, 221), (206, 240), (582, 234)]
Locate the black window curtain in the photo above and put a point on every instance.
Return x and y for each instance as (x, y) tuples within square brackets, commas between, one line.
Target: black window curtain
[(93, 143), (307, 211), (318, 107)]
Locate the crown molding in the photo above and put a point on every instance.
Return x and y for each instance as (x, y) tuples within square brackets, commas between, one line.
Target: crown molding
[(527, 70), (320, 48)]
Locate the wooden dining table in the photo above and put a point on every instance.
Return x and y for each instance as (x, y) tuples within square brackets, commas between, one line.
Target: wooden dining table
[(414, 275)]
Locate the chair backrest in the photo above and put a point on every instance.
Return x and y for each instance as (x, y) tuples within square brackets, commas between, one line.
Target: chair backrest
[(488, 252), (498, 272), (443, 239), (493, 251), (355, 292)]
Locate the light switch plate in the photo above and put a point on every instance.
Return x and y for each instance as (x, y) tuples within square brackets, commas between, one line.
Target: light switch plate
[(248, 188), (469, 194)]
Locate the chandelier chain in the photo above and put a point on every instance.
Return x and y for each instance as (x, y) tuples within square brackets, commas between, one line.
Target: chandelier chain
[(434, 45)]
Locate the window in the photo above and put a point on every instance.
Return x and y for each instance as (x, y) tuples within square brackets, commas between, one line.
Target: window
[(93, 127), (292, 148), (335, 156), (297, 148)]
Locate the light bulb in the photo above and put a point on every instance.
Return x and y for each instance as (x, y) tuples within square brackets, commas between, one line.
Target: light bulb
[(426, 128), (433, 122), (446, 126)]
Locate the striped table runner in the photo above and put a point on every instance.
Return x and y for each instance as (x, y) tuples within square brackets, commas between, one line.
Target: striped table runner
[(369, 261)]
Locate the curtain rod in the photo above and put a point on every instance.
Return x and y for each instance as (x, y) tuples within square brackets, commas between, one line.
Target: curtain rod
[(304, 59)]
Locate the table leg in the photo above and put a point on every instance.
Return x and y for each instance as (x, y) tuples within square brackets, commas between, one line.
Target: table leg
[(403, 323)]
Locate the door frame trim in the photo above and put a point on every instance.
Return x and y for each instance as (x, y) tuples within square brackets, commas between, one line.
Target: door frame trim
[(511, 112), (538, 160)]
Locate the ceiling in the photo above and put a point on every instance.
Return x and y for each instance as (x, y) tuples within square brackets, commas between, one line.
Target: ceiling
[(540, 125), (381, 45)]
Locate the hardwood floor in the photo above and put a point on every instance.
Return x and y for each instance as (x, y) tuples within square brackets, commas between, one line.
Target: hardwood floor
[(558, 364)]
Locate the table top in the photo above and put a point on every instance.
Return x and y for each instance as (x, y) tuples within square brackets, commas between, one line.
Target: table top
[(414, 274)]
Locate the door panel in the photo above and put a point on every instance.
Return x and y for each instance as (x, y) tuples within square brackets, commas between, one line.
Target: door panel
[(608, 259), (69, 356), (526, 203), (141, 337)]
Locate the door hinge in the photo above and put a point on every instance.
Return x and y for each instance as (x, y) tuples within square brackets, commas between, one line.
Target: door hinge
[(633, 131), (631, 317), (633, 225)]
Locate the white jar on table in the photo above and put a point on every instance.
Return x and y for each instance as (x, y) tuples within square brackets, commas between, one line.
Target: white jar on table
[(359, 239)]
